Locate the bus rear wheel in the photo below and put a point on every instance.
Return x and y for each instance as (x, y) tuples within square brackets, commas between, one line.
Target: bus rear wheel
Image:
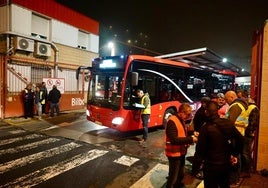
[(168, 113)]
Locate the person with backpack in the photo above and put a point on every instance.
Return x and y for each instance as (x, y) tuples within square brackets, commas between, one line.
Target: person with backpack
[(215, 149)]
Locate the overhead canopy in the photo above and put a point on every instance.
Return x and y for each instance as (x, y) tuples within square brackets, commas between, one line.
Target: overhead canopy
[(204, 58)]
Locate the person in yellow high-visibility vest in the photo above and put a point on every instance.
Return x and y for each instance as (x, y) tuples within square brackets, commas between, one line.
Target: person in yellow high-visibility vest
[(39, 100), (145, 114)]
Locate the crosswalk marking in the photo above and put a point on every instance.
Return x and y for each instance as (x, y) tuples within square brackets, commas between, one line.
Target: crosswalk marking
[(126, 160), (28, 146), (17, 131), (27, 137), (36, 157), (155, 178), (4, 127), (44, 174)]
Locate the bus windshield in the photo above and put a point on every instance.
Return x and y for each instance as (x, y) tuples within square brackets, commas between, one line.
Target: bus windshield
[(106, 84)]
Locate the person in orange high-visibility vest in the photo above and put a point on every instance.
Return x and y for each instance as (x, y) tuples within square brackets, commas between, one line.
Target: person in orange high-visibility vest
[(177, 142)]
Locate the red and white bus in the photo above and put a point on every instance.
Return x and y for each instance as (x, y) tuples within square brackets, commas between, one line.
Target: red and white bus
[(115, 79)]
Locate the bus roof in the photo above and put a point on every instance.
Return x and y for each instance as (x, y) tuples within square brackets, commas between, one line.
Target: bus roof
[(204, 58), (159, 60)]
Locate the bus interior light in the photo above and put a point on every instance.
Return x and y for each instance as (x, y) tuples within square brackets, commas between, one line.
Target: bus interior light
[(118, 121)]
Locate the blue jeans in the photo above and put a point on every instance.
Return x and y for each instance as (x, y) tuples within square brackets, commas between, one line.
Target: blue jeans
[(145, 119), (52, 107), (39, 109)]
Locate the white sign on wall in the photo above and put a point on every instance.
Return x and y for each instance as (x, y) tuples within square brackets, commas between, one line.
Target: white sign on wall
[(59, 82)]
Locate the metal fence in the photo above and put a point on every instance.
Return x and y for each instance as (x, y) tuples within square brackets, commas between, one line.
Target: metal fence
[(19, 74)]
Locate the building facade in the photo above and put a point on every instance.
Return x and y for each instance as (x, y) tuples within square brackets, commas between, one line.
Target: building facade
[(259, 90), (43, 41)]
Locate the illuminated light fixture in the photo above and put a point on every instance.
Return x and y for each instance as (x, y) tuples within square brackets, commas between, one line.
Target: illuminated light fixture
[(118, 121), (224, 60), (111, 45), (242, 70)]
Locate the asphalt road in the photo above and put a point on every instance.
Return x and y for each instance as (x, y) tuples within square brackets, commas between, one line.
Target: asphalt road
[(68, 151)]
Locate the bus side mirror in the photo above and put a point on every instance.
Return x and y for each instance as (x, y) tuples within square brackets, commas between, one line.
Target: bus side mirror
[(134, 78), (78, 70)]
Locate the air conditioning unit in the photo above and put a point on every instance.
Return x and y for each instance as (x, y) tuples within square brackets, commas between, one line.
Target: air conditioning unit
[(24, 44), (42, 49)]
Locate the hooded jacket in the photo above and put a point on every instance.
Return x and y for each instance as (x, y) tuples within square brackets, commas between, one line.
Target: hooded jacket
[(217, 141)]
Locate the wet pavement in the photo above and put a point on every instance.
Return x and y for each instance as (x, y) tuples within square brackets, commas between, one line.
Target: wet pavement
[(257, 179)]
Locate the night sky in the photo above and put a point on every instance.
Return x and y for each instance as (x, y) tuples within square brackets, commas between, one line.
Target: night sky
[(167, 26)]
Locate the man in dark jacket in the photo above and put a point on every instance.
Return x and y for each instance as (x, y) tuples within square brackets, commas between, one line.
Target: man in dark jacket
[(214, 148), (177, 141), (54, 98), (28, 101), (199, 119)]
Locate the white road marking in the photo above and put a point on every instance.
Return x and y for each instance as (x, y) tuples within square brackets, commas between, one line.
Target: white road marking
[(36, 157), (126, 160), (49, 128), (17, 131), (39, 176), (155, 178), (27, 137), (28, 146), (5, 127)]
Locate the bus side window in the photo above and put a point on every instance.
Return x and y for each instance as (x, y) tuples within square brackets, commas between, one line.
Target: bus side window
[(164, 95)]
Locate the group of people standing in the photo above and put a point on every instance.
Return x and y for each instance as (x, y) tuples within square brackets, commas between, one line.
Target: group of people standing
[(224, 131), (36, 101)]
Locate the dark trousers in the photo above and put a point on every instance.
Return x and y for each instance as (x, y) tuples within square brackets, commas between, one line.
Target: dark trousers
[(52, 107), (216, 175), (44, 108), (145, 119), (246, 157), (176, 171), (235, 171), (28, 109)]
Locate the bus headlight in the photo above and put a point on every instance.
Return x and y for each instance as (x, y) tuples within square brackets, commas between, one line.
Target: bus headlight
[(118, 121), (87, 112)]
